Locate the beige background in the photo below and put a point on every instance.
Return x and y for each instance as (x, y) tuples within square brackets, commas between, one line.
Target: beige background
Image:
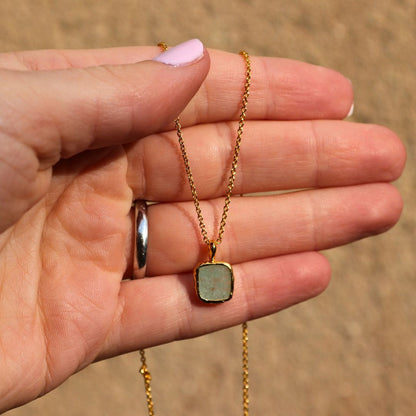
[(352, 350)]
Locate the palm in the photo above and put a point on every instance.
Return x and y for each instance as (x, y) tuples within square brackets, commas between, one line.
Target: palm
[(65, 286)]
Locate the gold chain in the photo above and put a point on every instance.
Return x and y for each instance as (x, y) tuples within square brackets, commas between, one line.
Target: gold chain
[(231, 181), (245, 369), (147, 378)]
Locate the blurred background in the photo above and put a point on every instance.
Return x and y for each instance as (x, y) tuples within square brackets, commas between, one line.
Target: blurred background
[(351, 351)]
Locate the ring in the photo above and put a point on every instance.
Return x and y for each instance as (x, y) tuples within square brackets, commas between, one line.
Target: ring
[(140, 239)]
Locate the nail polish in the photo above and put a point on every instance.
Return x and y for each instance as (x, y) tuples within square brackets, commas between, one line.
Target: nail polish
[(351, 112), (182, 54)]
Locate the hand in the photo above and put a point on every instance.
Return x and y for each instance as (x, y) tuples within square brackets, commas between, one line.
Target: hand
[(83, 133)]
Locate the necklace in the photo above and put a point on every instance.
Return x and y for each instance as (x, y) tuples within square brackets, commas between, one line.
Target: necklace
[(214, 281)]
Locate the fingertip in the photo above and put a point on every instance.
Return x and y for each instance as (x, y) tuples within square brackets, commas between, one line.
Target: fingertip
[(384, 153), (332, 92), (379, 209), (284, 281), (320, 273), (307, 91), (392, 150), (310, 274), (387, 213), (341, 94)]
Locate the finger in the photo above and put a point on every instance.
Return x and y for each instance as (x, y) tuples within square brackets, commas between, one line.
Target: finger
[(162, 309), (274, 156), (77, 109), (45, 116), (268, 226), (53, 59), (281, 89)]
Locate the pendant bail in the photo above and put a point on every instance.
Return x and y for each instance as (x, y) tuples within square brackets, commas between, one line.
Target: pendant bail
[(212, 250)]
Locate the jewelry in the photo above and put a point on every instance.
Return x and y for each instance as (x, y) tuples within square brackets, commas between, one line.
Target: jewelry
[(214, 281), (140, 239)]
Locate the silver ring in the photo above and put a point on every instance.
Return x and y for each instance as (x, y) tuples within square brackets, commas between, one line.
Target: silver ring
[(140, 239)]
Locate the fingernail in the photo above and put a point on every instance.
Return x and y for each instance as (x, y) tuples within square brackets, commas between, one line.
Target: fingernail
[(351, 112), (182, 54)]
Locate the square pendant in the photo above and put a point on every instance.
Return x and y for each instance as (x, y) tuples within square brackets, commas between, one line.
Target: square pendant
[(214, 282)]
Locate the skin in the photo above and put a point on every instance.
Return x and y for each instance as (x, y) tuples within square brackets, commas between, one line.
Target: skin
[(83, 133)]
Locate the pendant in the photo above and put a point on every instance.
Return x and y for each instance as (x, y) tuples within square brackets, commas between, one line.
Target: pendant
[(214, 281)]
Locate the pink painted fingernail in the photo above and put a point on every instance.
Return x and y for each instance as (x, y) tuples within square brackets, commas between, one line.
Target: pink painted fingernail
[(182, 54), (351, 112)]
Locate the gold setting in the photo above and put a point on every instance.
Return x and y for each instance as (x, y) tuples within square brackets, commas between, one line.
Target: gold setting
[(200, 284), (209, 296)]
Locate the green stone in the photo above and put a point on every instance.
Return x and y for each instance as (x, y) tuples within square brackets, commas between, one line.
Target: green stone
[(214, 282)]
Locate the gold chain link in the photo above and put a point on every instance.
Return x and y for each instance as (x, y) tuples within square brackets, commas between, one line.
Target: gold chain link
[(231, 181), (147, 378), (245, 369)]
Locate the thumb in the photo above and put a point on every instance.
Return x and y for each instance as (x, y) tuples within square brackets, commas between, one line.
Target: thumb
[(72, 110), (48, 115)]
